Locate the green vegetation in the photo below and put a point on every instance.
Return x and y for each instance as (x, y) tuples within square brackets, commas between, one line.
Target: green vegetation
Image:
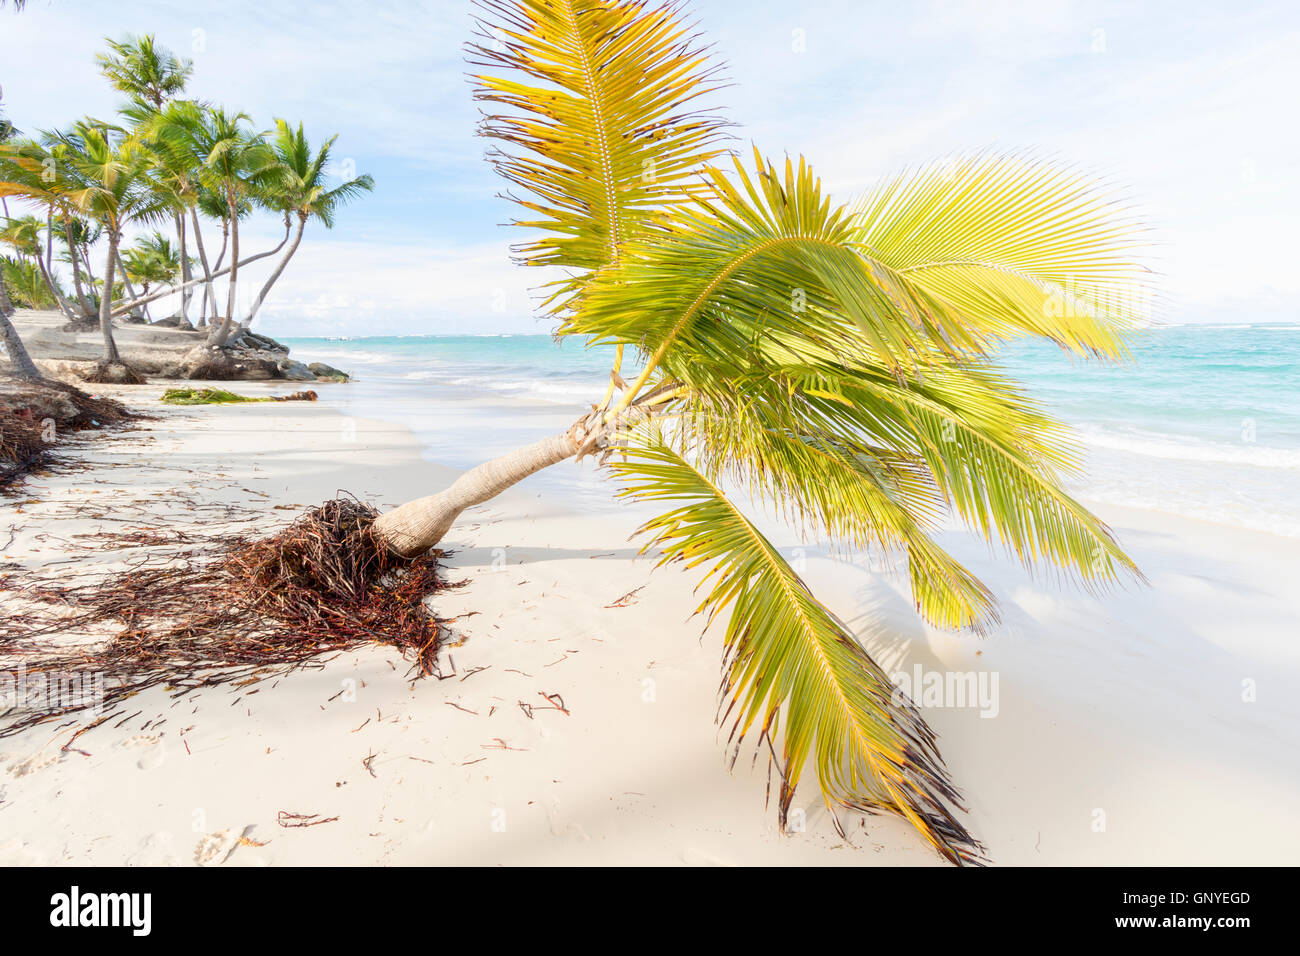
[(206, 396), (169, 163)]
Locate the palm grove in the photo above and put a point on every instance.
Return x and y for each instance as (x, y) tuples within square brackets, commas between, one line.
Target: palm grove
[(182, 172), (834, 363)]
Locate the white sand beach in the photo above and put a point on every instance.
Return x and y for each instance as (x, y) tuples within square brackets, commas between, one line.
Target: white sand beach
[(1155, 725)]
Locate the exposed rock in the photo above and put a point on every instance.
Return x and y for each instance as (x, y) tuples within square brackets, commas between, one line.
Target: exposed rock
[(204, 363), (255, 341), (295, 371), (135, 318), (328, 372)]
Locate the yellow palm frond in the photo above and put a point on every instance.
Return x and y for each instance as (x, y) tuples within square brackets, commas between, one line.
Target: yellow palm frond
[(598, 122), (795, 673), (1009, 246)]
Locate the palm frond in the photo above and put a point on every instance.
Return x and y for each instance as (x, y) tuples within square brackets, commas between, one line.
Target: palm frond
[(794, 672), (598, 123), (768, 265), (832, 481), (1010, 246)]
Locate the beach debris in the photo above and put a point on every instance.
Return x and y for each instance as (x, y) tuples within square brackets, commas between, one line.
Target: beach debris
[(233, 610), (627, 599), (219, 396), (287, 819), (34, 415)]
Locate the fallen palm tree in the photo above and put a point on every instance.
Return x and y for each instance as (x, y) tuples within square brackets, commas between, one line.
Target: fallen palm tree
[(836, 362)]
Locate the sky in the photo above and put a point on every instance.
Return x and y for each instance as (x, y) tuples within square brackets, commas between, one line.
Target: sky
[(1188, 107)]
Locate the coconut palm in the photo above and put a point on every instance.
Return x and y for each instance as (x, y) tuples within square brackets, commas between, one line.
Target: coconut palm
[(835, 362), (22, 363), (152, 260), (25, 286), (299, 187), (152, 76), (231, 161), (99, 174), (149, 74)]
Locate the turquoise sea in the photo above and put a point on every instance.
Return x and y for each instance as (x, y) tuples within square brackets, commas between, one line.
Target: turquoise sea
[(1204, 422)]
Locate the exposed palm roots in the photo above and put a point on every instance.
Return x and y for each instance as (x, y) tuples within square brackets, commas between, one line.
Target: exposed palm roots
[(233, 610)]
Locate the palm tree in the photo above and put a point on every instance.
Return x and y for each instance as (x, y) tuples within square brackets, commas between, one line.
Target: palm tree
[(24, 282), (233, 162), (153, 260), (836, 362), (152, 76), (102, 176), (146, 72), (298, 186), (22, 363)]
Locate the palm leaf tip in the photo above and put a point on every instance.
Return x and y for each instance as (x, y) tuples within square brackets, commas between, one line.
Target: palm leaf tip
[(793, 670)]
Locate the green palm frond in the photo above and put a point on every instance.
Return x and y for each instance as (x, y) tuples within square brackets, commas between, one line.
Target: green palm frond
[(598, 124), (767, 267), (795, 673), (826, 477), (1012, 246)]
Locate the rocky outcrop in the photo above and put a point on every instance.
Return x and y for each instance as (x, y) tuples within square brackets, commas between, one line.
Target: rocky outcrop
[(328, 372), (203, 363)]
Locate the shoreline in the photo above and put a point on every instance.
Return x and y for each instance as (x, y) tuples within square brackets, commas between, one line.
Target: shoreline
[(482, 767)]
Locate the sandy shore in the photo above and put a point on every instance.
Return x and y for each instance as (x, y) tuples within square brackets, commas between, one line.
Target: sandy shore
[(1157, 725)]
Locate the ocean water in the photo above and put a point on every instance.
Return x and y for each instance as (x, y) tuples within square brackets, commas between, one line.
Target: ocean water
[(1203, 422)]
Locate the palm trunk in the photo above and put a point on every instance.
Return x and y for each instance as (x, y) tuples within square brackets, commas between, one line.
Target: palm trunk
[(418, 525), (23, 366), (209, 296), (64, 306), (186, 272), (203, 261), (49, 239), (125, 307), (76, 269), (106, 303), (221, 333), (126, 280), (85, 261), (288, 254)]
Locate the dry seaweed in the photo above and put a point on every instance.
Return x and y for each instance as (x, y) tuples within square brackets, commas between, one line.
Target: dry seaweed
[(235, 610), (33, 415)]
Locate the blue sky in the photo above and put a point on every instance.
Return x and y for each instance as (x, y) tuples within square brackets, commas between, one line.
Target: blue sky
[(1189, 105)]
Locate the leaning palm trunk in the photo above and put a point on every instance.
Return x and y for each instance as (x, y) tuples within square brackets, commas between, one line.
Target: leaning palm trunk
[(86, 309), (208, 291), (64, 305), (126, 280), (123, 307), (419, 525), (221, 333), (279, 270), (23, 366)]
